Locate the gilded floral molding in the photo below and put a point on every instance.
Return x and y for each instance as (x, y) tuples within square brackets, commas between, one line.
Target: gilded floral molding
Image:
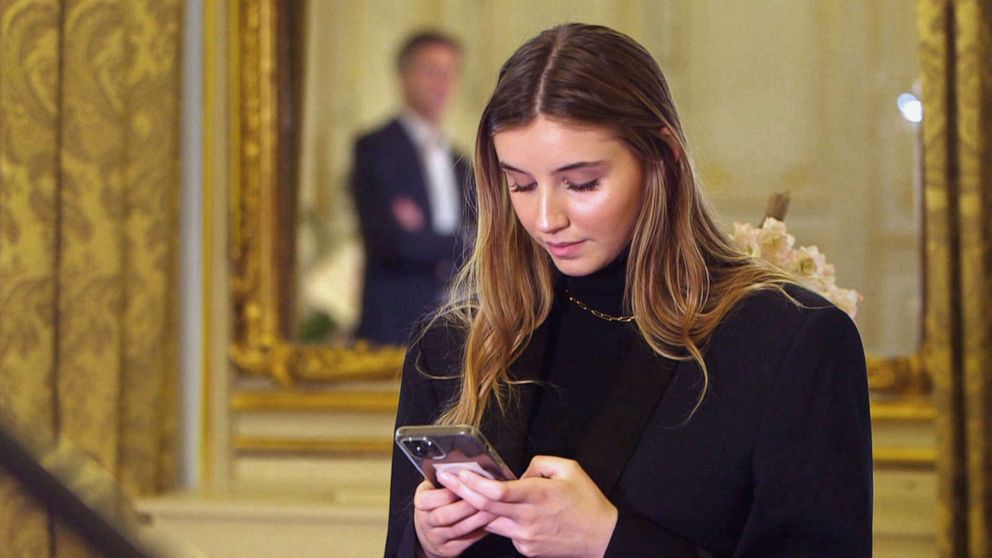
[(901, 375)]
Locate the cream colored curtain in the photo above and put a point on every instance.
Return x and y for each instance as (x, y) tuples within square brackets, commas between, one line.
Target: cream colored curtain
[(956, 59), (89, 173)]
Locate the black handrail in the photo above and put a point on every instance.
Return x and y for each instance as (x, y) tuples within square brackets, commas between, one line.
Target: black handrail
[(24, 462)]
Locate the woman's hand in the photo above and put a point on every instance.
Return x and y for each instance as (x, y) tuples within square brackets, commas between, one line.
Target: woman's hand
[(553, 510), (446, 525)]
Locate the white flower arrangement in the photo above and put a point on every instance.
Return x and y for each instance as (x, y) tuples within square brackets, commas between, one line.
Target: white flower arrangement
[(807, 264)]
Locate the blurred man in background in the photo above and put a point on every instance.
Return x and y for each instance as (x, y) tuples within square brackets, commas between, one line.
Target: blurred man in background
[(410, 190)]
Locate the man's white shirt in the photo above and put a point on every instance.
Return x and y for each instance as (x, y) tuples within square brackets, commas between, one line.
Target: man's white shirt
[(443, 192)]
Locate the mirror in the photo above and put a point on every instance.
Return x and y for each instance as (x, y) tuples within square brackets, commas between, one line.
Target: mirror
[(787, 96)]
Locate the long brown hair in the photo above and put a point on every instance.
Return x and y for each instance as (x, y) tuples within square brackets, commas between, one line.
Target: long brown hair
[(683, 273)]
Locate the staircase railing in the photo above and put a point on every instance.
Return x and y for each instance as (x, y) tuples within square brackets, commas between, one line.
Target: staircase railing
[(48, 471)]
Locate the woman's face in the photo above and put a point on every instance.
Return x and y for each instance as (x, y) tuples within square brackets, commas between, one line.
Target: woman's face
[(577, 190)]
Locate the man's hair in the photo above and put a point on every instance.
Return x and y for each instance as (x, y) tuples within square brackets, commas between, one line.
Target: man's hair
[(421, 39)]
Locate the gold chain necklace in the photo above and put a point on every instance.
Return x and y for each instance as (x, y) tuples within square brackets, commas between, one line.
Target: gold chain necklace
[(597, 313)]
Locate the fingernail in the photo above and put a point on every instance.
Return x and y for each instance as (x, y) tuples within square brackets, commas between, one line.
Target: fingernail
[(445, 477)]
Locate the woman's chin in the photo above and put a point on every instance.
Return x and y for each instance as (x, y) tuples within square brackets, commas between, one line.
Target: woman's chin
[(576, 267)]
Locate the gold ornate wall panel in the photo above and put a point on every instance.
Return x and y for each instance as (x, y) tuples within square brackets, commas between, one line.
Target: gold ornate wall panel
[(29, 66), (150, 226), (956, 52), (89, 181)]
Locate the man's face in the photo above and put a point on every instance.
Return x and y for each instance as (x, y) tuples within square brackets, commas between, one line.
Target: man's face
[(429, 80)]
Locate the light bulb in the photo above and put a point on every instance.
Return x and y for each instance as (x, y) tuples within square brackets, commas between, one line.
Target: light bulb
[(910, 107)]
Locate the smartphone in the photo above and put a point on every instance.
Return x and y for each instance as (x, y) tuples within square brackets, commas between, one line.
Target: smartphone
[(434, 449)]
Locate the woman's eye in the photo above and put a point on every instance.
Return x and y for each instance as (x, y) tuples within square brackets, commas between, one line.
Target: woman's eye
[(584, 187), (522, 187)]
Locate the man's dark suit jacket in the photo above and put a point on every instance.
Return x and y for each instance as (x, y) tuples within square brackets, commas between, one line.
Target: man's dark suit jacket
[(775, 462), (405, 272)]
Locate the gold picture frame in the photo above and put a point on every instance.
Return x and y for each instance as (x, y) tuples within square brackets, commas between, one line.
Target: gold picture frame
[(259, 347)]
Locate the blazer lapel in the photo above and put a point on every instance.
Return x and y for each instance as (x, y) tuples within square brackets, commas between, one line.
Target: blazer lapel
[(614, 432), (508, 434)]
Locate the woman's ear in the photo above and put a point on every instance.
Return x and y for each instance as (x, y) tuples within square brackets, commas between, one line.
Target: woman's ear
[(672, 141)]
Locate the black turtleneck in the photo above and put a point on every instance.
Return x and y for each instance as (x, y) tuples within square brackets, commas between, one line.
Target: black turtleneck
[(584, 355)]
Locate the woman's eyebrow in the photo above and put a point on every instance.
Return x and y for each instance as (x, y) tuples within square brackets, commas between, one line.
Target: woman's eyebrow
[(571, 166), (507, 167), (579, 165)]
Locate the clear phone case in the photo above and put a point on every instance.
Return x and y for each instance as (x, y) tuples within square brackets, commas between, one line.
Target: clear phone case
[(433, 449)]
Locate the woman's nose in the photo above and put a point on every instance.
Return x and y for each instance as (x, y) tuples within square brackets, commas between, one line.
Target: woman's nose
[(552, 214)]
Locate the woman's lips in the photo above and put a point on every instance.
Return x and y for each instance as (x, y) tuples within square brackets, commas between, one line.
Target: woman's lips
[(564, 249)]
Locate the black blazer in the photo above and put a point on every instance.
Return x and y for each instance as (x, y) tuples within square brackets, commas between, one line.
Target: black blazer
[(776, 461), (405, 272)]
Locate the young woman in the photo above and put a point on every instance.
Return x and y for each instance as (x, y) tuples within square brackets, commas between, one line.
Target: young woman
[(657, 392)]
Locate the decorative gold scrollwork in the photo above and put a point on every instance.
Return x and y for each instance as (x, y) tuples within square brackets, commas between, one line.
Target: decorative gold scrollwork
[(902, 375)]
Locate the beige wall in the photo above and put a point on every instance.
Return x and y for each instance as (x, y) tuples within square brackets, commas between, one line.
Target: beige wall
[(800, 97)]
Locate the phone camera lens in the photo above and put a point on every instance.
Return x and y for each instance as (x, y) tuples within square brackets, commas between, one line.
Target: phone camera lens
[(420, 448), (423, 448)]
